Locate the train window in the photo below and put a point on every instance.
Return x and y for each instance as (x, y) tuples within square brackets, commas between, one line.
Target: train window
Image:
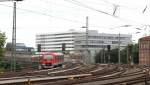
[(57, 57), (61, 57), (48, 57)]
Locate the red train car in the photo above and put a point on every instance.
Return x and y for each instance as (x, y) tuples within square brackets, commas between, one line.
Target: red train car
[(49, 59)]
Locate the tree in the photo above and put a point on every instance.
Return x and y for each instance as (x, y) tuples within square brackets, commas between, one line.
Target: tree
[(135, 53), (131, 50), (123, 54), (2, 43), (114, 56), (99, 58)]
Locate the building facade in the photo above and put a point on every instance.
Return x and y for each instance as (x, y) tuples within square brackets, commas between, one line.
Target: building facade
[(144, 50), (96, 41), (20, 48), (79, 41), (54, 41)]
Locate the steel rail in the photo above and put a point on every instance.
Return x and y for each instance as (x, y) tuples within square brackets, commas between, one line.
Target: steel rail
[(22, 80)]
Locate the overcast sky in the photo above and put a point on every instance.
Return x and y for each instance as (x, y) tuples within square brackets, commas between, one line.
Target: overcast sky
[(46, 16)]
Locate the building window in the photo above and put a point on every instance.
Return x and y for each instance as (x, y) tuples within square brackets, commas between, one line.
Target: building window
[(114, 42)]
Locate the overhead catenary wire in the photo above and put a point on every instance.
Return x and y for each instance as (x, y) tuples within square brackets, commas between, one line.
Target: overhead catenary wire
[(144, 9), (123, 6), (41, 13), (113, 15), (45, 14), (75, 2), (91, 8), (115, 9), (61, 5), (86, 6)]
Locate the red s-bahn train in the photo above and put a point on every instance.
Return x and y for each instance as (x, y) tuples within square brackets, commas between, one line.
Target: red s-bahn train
[(48, 59)]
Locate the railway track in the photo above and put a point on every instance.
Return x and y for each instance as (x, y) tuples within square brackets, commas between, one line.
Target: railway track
[(24, 80), (111, 77), (104, 73), (84, 75), (133, 77), (76, 72), (32, 71)]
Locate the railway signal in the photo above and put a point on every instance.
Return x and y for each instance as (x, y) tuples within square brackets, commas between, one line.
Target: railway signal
[(39, 48), (129, 50), (63, 47), (108, 48)]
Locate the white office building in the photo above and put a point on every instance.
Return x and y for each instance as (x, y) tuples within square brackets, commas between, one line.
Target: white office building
[(54, 41), (96, 41), (79, 41)]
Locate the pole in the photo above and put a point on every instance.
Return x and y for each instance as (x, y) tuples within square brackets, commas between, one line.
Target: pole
[(87, 33), (127, 54), (149, 29), (109, 57), (87, 26), (119, 61), (104, 56), (13, 62), (102, 51)]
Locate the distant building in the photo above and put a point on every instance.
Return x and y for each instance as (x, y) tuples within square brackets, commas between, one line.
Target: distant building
[(144, 50), (20, 47), (96, 41), (76, 40)]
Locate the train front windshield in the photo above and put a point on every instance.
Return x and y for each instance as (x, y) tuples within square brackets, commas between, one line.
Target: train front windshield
[(48, 57)]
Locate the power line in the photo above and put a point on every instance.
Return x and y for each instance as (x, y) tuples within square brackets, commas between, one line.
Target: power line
[(62, 5), (45, 14), (115, 9), (75, 2), (144, 9), (106, 1), (86, 6), (52, 3)]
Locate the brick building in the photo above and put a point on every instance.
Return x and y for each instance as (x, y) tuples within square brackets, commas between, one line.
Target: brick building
[(144, 50)]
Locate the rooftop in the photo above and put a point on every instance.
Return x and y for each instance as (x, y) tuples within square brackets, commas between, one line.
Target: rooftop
[(145, 38)]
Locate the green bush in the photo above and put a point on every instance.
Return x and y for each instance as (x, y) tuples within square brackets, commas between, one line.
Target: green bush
[(7, 65)]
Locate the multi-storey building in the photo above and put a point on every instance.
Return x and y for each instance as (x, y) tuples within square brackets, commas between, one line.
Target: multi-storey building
[(79, 41), (54, 41), (86, 43), (144, 50), (97, 41)]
